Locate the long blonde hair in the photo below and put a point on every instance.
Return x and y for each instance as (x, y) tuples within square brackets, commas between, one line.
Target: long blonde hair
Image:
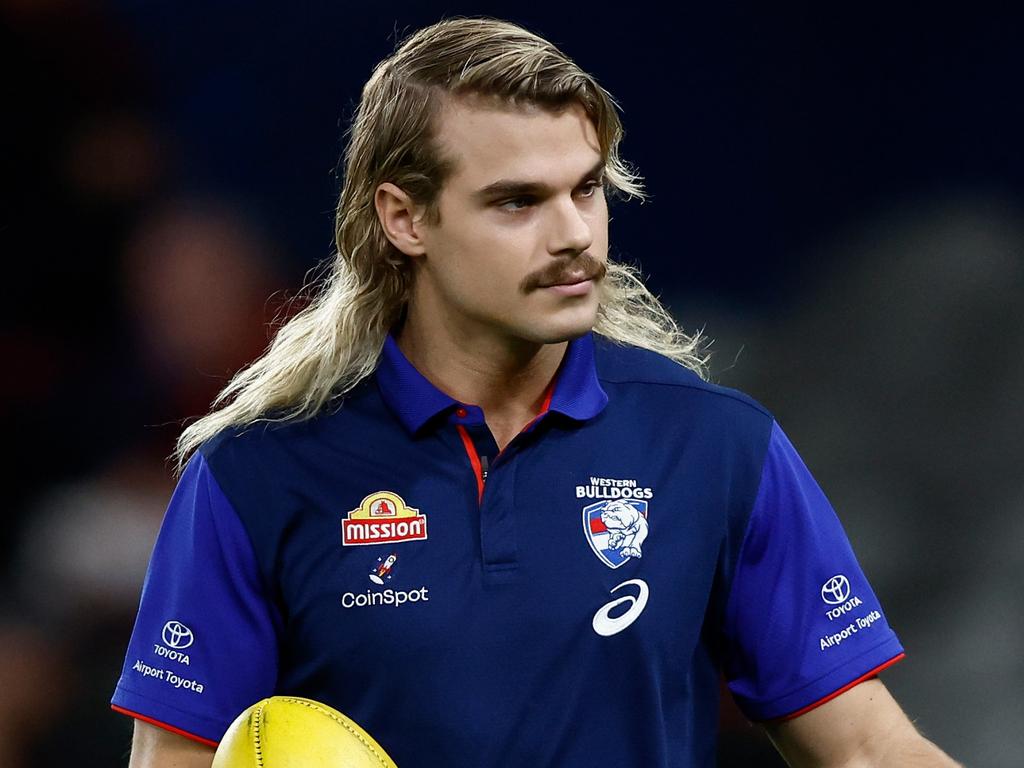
[(332, 344)]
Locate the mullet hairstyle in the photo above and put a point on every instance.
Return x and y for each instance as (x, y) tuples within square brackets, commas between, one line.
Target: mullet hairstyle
[(335, 341)]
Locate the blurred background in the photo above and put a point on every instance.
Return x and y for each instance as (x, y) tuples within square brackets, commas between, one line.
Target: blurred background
[(837, 199)]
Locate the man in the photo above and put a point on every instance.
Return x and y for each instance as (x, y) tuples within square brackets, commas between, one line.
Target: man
[(478, 496)]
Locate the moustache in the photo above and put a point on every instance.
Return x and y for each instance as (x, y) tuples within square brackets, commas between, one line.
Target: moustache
[(583, 267)]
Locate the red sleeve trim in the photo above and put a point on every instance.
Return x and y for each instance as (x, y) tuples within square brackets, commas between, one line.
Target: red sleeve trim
[(844, 689), (165, 726)]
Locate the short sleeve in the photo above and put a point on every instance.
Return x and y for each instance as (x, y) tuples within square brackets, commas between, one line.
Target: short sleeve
[(801, 622), (204, 646)]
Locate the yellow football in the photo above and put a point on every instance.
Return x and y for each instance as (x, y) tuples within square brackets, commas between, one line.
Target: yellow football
[(292, 732)]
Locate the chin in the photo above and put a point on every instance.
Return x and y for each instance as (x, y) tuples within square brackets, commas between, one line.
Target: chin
[(565, 330)]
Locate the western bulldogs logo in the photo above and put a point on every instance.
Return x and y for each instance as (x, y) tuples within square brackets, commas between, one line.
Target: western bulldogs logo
[(616, 529)]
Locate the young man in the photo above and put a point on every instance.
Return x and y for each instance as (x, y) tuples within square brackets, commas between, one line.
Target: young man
[(478, 495)]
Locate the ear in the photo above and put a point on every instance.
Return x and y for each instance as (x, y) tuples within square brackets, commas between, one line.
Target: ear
[(401, 219)]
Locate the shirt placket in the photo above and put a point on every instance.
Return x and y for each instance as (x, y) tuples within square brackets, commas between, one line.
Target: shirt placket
[(494, 473)]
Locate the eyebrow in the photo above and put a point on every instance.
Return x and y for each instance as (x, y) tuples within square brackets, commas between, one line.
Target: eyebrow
[(516, 188)]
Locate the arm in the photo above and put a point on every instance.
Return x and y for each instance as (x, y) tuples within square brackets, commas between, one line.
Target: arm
[(863, 727), (204, 600), (154, 747)]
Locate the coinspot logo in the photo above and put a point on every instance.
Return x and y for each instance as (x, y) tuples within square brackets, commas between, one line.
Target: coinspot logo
[(176, 635), (836, 590)]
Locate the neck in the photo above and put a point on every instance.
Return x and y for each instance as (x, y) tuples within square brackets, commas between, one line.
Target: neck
[(506, 378)]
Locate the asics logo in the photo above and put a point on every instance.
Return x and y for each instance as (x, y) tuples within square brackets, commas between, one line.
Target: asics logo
[(605, 625)]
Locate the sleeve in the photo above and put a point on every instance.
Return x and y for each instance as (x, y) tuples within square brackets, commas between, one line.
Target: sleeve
[(802, 624), (204, 646)]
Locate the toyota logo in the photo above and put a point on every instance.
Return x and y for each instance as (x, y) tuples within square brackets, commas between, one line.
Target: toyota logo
[(177, 635), (836, 590)]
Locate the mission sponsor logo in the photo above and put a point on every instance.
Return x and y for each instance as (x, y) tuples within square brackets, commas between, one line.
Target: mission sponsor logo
[(383, 517), (611, 488)]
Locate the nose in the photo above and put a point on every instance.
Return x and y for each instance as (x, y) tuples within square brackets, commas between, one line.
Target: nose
[(570, 230)]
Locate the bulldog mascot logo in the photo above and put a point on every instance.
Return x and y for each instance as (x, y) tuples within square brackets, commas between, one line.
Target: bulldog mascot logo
[(616, 529)]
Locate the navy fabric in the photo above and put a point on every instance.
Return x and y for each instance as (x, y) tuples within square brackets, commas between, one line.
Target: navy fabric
[(415, 401), (647, 533)]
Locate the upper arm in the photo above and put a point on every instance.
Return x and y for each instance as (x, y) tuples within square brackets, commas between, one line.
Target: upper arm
[(204, 645), (804, 634), (801, 622), (154, 747)]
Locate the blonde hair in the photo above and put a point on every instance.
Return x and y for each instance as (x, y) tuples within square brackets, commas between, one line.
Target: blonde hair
[(335, 342)]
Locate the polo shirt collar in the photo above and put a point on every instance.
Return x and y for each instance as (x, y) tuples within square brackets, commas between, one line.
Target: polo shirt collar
[(415, 400)]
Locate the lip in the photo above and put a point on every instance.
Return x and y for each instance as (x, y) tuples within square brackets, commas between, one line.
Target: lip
[(573, 278), (576, 288)]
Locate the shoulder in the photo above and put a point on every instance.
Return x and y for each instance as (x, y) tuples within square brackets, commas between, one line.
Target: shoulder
[(263, 468), (251, 439), (244, 458), (626, 367), (276, 441)]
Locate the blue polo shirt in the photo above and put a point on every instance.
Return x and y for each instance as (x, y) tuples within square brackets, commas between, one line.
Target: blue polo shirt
[(571, 600)]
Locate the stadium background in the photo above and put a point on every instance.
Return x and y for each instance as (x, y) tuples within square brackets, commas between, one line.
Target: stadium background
[(836, 198)]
